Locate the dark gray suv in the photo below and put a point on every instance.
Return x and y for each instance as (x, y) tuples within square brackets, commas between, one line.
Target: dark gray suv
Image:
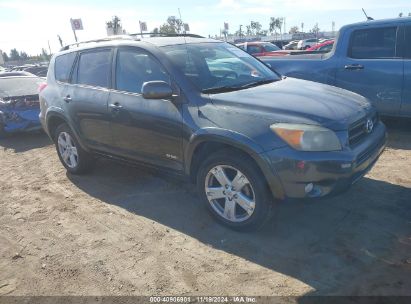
[(207, 110)]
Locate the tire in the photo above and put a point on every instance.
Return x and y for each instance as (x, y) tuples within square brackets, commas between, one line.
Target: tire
[(74, 158), (254, 191), (3, 133)]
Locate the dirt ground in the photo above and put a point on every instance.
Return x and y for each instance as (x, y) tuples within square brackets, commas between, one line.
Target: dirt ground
[(127, 231)]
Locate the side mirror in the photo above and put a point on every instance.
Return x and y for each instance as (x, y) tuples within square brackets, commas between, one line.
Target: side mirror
[(156, 90)]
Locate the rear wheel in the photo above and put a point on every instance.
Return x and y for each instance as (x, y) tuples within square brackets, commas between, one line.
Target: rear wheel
[(234, 190), (75, 159)]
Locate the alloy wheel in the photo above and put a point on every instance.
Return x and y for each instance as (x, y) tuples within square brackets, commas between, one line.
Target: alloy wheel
[(230, 193), (67, 149)]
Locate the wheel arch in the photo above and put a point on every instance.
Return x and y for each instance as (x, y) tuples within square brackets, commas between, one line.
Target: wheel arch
[(56, 118), (210, 141)]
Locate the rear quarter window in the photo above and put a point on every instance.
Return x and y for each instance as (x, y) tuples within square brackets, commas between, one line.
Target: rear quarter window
[(63, 65)]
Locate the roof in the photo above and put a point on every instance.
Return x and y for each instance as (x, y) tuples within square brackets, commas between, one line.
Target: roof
[(379, 22), (254, 42)]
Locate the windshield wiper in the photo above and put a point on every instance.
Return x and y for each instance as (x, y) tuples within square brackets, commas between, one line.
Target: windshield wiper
[(221, 89), (257, 83)]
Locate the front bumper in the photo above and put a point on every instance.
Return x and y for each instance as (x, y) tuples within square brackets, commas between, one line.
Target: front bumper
[(318, 174)]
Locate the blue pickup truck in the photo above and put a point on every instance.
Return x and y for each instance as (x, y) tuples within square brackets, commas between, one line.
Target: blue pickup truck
[(371, 58)]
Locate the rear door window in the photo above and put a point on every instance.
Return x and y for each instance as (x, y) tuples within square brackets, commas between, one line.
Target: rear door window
[(63, 66), (94, 68), (373, 43)]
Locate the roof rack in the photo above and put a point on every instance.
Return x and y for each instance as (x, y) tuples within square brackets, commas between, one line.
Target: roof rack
[(167, 35), (127, 37), (111, 38)]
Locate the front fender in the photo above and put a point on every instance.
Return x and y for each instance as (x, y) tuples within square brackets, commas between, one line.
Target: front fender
[(223, 136), (239, 141)]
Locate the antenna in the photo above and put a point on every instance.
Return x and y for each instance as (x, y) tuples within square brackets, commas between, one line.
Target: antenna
[(368, 18)]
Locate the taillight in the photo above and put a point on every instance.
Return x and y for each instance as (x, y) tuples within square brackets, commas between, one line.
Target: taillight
[(42, 86)]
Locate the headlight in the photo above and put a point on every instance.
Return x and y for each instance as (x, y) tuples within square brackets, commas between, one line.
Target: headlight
[(307, 137)]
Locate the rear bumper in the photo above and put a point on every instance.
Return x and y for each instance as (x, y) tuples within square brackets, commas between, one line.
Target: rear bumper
[(318, 174)]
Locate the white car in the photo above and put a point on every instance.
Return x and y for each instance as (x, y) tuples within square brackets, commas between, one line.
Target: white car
[(306, 43)]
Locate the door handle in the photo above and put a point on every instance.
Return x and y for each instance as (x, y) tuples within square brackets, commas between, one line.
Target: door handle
[(354, 67), (115, 106), (67, 99)]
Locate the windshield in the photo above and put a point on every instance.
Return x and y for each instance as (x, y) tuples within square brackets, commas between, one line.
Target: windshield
[(219, 66), (269, 47), (19, 86)]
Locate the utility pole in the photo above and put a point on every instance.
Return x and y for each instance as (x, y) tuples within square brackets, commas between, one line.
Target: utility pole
[(285, 30), (181, 20), (74, 30), (240, 30)]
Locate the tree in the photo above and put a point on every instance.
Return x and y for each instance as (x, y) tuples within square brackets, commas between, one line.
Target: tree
[(23, 55), (115, 24), (273, 25), (14, 55), (400, 14), (293, 29), (155, 32), (276, 23), (44, 54), (172, 26), (5, 57), (255, 27), (248, 30)]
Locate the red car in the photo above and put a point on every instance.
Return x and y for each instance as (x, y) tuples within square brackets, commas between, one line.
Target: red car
[(259, 48), (323, 47)]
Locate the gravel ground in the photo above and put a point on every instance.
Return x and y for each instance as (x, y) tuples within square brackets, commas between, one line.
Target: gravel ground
[(127, 231)]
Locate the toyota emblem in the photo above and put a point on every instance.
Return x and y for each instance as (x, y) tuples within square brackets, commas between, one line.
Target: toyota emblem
[(369, 126)]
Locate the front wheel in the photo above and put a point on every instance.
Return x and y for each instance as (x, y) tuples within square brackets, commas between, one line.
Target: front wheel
[(75, 159), (235, 191), (2, 132)]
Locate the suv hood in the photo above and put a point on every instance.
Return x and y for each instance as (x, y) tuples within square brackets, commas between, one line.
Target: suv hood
[(297, 101)]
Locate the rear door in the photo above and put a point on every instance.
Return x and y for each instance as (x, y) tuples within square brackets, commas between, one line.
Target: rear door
[(406, 95), (148, 130), (373, 68), (86, 98)]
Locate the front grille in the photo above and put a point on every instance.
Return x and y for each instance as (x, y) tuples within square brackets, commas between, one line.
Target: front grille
[(358, 132), (363, 156)]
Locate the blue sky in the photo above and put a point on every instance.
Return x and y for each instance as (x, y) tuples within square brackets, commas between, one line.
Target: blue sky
[(29, 25)]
